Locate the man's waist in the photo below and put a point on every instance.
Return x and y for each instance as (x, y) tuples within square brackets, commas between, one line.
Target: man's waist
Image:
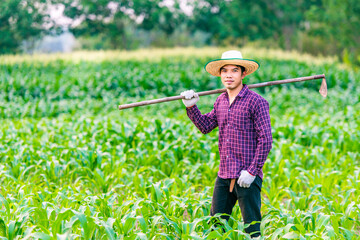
[(232, 175)]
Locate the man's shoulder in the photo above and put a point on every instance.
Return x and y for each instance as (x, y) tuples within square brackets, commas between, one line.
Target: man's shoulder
[(256, 97), (221, 97)]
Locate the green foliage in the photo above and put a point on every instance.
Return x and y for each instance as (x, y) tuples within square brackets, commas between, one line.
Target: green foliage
[(19, 20), (249, 21), (101, 21), (115, 20), (74, 167), (318, 27), (336, 22)]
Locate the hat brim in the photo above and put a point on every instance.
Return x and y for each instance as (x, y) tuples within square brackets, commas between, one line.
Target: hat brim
[(213, 67)]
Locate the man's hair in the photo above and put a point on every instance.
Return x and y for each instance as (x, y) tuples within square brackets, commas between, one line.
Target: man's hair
[(241, 67)]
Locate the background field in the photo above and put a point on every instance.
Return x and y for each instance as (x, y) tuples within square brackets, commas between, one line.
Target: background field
[(74, 167)]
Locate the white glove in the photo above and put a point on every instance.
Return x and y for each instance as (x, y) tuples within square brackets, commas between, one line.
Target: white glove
[(245, 179), (191, 98)]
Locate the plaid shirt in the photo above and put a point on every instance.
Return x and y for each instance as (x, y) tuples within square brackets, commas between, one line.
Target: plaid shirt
[(244, 131)]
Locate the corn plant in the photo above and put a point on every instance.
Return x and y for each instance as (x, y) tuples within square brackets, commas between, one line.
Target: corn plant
[(74, 167)]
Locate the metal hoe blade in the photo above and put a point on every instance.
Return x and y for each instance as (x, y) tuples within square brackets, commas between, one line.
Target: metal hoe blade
[(323, 88)]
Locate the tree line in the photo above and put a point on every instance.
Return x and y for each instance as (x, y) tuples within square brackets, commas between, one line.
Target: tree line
[(327, 27)]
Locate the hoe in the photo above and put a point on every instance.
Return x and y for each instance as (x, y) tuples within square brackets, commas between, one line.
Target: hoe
[(323, 90)]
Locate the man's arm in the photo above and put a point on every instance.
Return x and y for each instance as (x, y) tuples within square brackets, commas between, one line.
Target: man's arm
[(205, 123), (264, 137)]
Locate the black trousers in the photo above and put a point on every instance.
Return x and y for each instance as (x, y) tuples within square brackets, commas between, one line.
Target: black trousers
[(249, 200)]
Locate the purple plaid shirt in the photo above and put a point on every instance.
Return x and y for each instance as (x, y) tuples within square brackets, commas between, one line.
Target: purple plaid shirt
[(244, 131)]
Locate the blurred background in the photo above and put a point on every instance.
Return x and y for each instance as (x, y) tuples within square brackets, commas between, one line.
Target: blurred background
[(318, 27)]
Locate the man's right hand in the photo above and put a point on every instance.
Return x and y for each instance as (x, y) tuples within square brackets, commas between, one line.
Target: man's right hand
[(191, 98)]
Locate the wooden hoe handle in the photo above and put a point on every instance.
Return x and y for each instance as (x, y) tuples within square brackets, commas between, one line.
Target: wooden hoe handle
[(257, 85)]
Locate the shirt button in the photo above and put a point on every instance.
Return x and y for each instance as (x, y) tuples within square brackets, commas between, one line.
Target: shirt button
[(228, 124), (227, 140), (229, 110)]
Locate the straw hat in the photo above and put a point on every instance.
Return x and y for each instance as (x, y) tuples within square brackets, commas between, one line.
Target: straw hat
[(231, 57)]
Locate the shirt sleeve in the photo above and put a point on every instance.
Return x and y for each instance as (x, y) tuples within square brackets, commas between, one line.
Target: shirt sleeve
[(205, 123), (264, 137)]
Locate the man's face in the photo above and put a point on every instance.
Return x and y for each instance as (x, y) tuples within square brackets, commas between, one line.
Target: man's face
[(231, 76)]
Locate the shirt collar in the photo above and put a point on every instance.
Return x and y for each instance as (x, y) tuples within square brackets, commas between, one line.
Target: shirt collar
[(243, 91)]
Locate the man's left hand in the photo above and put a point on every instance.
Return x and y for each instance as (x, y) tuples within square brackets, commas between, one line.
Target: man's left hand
[(245, 179)]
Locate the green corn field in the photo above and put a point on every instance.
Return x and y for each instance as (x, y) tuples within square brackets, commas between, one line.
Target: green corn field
[(72, 166)]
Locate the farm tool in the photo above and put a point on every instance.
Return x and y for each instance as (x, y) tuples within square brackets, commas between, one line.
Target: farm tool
[(323, 90)]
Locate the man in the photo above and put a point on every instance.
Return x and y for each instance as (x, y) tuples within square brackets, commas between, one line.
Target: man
[(244, 138)]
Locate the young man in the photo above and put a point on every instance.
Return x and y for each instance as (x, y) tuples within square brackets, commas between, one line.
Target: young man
[(244, 138)]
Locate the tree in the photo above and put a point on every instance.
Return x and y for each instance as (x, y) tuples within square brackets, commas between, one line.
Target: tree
[(250, 20), (156, 15), (103, 17), (20, 20), (337, 23), (110, 18)]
